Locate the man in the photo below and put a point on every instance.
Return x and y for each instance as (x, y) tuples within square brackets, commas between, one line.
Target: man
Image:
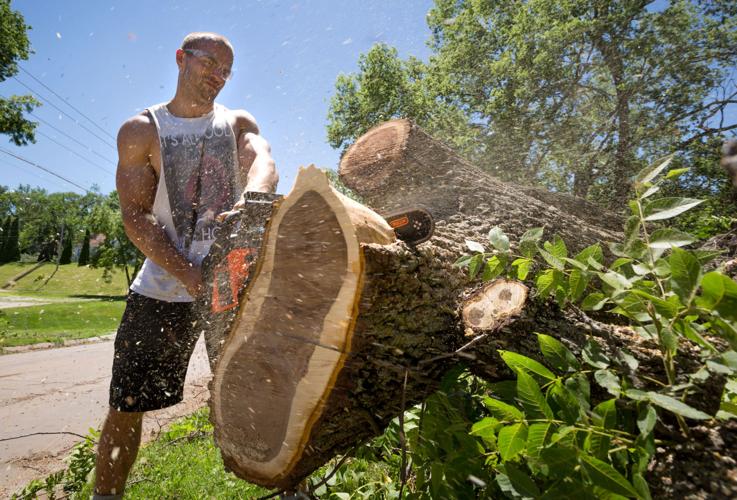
[(180, 165)]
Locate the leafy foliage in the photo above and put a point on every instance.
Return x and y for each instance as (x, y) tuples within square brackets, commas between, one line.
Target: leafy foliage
[(84, 253), (14, 46), (576, 95), (71, 480), (40, 217), (66, 249)]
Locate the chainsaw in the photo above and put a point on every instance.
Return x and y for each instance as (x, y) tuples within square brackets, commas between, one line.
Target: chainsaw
[(228, 268)]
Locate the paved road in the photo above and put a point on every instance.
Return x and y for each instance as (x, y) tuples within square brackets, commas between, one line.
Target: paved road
[(66, 390)]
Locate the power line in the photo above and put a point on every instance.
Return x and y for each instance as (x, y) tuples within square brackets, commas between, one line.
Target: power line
[(67, 102), (77, 154), (45, 179), (71, 138), (44, 169), (63, 112)]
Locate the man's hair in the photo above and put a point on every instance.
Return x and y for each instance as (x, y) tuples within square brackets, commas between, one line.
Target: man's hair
[(193, 40)]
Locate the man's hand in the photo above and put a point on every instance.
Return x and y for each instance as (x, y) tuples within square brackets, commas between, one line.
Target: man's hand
[(192, 280)]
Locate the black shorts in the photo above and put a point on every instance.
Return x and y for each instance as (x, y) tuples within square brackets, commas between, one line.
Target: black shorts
[(152, 349)]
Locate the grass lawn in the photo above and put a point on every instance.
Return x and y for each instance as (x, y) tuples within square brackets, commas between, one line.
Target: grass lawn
[(81, 304), (183, 463), (57, 322), (71, 280)]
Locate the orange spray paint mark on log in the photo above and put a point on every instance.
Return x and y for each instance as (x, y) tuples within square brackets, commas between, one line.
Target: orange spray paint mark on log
[(231, 272)]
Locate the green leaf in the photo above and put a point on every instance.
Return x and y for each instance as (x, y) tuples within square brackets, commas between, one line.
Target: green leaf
[(593, 251), (675, 406), (676, 172), (605, 415), (474, 246), (551, 259), (519, 483), (719, 293), (615, 280), (534, 235), (583, 266), (475, 265), (712, 290), (493, 268), (620, 262), (706, 256), (650, 191), (499, 239), (609, 381), (486, 429), (605, 476), (641, 486), (519, 363), (463, 261), (523, 267), (557, 248), (685, 274), (667, 308), (593, 355), (556, 353), (531, 397), (669, 339), (528, 242), (502, 410), (592, 262), (607, 412), (631, 229), (649, 173), (547, 282), (686, 328), (560, 459), (666, 208), (577, 283), (506, 390), (511, 440), (578, 384), (567, 488), (667, 238), (538, 436), (567, 401), (594, 302)]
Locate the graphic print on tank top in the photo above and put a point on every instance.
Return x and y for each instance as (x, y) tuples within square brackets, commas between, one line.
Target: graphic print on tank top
[(200, 178)]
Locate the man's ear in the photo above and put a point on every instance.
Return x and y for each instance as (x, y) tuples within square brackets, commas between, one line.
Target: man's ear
[(180, 57)]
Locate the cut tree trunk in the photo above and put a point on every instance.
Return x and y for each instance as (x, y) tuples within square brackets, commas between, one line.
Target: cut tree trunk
[(342, 328)]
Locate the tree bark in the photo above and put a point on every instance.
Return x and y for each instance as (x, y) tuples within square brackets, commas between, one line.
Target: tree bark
[(338, 315)]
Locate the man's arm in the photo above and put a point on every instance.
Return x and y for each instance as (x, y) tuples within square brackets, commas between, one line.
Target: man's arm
[(254, 156), (136, 182)]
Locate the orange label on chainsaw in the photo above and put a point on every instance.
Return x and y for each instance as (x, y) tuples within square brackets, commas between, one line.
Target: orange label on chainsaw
[(402, 221), (228, 278)]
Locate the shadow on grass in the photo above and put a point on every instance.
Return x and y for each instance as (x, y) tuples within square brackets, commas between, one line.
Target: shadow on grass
[(110, 298)]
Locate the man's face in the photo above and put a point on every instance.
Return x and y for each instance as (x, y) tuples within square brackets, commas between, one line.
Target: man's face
[(205, 68)]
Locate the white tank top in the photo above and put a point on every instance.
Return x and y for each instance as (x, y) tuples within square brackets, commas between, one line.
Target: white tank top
[(198, 180)]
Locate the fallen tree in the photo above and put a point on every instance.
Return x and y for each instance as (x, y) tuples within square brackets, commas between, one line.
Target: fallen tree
[(342, 328)]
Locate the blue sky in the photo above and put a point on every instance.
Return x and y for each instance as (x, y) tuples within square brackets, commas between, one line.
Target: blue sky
[(112, 59)]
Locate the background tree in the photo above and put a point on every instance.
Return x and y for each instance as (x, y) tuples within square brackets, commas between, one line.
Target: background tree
[(11, 249), (3, 240), (84, 253), (66, 250), (575, 95), (117, 251), (14, 45)]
